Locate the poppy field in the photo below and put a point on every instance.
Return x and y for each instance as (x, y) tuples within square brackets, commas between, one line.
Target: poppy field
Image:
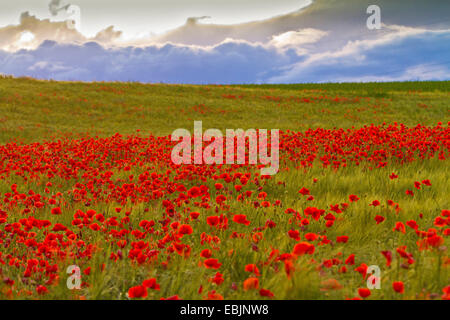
[(87, 183)]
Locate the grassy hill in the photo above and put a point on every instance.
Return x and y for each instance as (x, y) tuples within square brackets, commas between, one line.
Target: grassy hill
[(33, 110)]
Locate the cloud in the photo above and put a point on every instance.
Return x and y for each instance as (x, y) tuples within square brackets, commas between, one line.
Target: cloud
[(409, 54), (228, 62), (11, 37), (297, 40), (343, 20)]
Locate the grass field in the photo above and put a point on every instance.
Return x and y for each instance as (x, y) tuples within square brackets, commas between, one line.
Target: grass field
[(363, 181)]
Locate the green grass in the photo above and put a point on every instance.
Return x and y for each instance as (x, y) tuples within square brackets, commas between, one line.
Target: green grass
[(33, 110)]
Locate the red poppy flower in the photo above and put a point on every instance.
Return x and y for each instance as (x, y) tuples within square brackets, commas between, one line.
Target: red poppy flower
[(212, 263), (303, 248), (375, 203), (41, 290), (364, 292), (379, 219), (304, 191), (217, 279), (56, 211), (398, 286), (206, 253), (251, 284), (213, 221), (151, 284), (252, 268), (266, 293), (185, 229), (241, 219), (388, 256), (294, 234), (350, 260), (137, 292), (393, 176)]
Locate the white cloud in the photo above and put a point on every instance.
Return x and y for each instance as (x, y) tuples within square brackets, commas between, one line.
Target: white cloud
[(403, 54), (12, 36), (297, 40)]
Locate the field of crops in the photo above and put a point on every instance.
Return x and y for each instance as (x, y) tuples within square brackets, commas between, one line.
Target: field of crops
[(86, 180)]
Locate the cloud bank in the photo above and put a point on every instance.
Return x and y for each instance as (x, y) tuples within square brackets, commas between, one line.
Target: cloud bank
[(405, 56)]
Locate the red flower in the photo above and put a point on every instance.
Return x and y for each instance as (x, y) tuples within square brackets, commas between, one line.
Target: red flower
[(252, 268), (194, 215), (375, 203), (446, 295), (212, 263), (399, 226), (364, 292), (393, 176), (412, 224), (137, 292), (353, 198), (311, 236), (303, 248), (304, 191), (398, 286), (440, 222), (206, 253), (241, 219), (342, 239), (262, 195), (350, 260), (265, 293), (294, 234), (194, 192), (213, 295), (362, 270), (388, 256), (218, 279), (251, 283), (435, 241), (56, 211), (185, 229), (379, 219), (151, 284), (213, 221), (41, 290)]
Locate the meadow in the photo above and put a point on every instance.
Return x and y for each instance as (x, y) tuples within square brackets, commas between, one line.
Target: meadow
[(86, 180)]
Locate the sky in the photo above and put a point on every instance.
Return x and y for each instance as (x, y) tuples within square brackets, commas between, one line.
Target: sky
[(216, 41), (140, 17)]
